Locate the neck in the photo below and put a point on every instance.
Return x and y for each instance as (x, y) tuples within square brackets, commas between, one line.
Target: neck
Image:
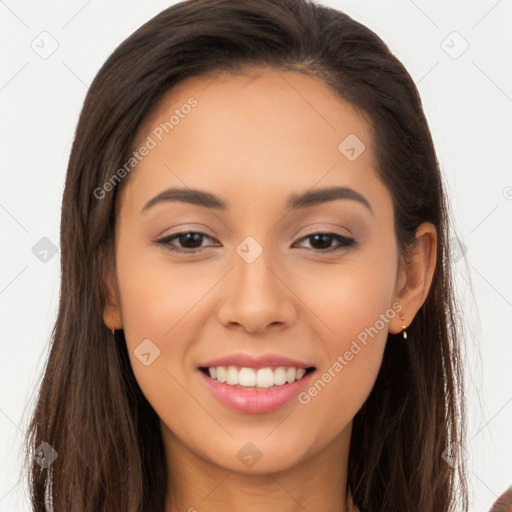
[(315, 483)]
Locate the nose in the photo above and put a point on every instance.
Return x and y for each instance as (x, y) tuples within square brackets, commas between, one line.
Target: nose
[(256, 297)]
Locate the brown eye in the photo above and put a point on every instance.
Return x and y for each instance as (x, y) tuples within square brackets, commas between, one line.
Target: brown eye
[(322, 241), (189, 241)]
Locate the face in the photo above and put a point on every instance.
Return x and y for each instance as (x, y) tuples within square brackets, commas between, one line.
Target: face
[(255, 270)]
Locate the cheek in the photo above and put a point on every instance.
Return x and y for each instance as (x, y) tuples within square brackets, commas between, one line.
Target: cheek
[(349, 298), (159, 301), (353, 305), (157, 294), (351, 358)]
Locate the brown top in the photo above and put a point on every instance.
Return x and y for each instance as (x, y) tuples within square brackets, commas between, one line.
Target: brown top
[(504, 502)]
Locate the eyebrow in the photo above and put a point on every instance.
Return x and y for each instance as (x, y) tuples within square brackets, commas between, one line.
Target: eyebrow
[(295, 202)]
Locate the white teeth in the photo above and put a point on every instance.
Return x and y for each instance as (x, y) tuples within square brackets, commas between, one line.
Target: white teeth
[(300, 373), (247, 377), (261, 378), (232, 376), (265, 378), (280, 376), (221, 373), (290, 374)]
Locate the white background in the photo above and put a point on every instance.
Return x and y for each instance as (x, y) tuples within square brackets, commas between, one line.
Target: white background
[(467, 100)]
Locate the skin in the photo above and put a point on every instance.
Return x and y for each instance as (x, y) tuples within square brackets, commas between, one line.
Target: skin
[(254, 139)]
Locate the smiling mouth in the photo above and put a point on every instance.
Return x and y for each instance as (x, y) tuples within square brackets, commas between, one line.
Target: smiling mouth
[(252, 378)]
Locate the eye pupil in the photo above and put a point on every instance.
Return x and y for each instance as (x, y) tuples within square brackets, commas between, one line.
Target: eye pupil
[(191, 237), (326, 239)]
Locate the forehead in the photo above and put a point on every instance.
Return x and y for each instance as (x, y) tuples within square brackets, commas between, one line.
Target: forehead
[(268, 129), (294, 97)]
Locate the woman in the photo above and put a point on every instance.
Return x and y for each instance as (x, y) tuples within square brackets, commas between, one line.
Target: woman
[(257, 309)]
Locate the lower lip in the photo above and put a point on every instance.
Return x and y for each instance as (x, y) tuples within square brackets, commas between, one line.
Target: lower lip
[(254, 400)]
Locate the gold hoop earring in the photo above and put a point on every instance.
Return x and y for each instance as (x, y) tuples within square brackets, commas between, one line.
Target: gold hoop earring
[(404, 332)]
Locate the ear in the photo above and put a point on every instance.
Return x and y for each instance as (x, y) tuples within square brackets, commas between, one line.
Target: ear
[(112, 310), (415, 276)]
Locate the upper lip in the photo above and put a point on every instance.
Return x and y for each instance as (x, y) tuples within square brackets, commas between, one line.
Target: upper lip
[(260, 361)]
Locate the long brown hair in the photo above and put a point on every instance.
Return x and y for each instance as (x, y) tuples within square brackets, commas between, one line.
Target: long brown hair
[(90, 409)]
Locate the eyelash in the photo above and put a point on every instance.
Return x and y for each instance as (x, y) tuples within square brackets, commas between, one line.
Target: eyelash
[(343, 240)]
